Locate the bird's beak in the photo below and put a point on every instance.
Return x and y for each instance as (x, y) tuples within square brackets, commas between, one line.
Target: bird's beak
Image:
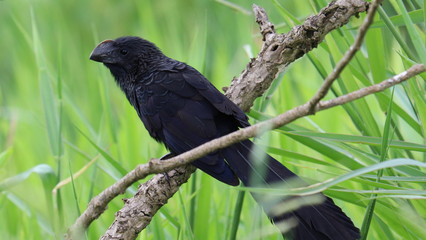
[(102, 52)]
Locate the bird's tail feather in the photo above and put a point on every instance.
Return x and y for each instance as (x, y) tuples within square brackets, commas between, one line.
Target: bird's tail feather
[(323, 220)]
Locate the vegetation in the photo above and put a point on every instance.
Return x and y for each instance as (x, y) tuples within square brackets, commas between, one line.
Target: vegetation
[(61, 115)]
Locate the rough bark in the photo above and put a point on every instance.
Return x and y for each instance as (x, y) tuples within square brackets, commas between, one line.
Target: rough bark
[(279, 50), (140, 209)]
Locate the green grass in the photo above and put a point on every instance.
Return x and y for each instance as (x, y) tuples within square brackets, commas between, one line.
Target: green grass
[(59, 111)]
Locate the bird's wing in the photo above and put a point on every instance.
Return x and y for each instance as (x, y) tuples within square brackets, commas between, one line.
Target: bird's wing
[(186, 75), (178, 114)]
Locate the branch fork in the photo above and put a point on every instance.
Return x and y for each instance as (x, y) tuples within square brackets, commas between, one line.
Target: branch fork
[(279, 50)]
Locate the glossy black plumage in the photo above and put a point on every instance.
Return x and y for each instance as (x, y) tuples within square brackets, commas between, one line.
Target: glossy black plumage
[(182, 109)]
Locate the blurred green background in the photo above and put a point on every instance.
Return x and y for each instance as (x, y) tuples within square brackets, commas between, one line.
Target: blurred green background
[(61, 113)]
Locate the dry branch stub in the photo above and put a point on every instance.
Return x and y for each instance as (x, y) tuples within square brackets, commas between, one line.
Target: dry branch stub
[(279, 50)]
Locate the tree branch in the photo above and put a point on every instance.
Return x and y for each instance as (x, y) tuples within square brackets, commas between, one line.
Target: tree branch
[(397, 79), (346, 58), (279, 50), (151, 196)]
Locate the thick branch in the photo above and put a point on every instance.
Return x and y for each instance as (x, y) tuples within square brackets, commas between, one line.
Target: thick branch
[(151, 196), (279, 50)]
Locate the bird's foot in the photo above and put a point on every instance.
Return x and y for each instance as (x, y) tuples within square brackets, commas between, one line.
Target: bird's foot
[(165, 157)]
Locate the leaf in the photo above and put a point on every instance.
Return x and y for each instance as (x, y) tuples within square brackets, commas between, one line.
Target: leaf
[(45, 172), (373, 141), (279, 189), (398, 20), (104, 154)]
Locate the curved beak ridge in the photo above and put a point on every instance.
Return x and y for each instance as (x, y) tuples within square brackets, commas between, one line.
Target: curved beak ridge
[(102, 52)]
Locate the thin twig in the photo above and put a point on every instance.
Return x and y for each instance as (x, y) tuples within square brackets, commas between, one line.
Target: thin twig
[(346, 58), (397, 79)]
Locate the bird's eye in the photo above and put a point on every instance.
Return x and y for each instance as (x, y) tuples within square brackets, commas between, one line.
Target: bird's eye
[(123, 52)]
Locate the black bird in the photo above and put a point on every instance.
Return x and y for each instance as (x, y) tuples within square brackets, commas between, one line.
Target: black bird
[(182, 109)]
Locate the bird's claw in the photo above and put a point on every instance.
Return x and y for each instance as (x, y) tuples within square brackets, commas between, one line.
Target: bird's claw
[(165, 157)]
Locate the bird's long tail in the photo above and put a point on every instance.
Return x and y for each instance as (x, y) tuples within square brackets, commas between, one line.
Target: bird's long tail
[(323, 220)]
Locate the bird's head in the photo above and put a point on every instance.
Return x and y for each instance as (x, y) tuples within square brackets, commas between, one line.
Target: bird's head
[(126, 55)]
